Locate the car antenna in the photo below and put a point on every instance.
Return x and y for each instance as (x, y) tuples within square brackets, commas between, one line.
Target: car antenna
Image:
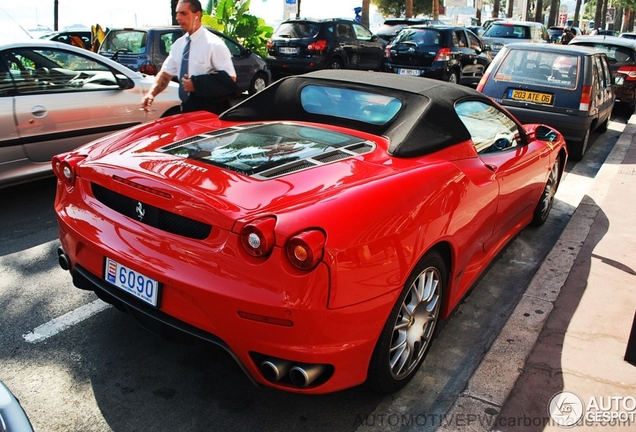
[(11, 18)]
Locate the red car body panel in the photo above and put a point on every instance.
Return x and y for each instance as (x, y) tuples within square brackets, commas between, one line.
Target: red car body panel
[(451, 199)]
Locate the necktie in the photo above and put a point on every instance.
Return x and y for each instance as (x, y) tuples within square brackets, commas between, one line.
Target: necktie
[(183, 95)]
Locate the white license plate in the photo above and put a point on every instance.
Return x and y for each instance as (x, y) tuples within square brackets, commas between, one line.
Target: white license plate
[(412, 72), (132, 282), (287, 50)]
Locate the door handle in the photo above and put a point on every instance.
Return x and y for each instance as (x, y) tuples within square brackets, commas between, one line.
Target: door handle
[(38, 111)]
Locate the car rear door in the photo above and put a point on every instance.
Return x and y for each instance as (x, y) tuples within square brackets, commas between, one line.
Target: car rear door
[(10, 150), (347, 45)]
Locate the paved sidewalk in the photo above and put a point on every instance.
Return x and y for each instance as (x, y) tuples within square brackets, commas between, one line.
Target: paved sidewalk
[(568, 335)]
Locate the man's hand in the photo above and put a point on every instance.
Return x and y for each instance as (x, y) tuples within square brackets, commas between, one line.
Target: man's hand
[(187, 83), (147, 101)]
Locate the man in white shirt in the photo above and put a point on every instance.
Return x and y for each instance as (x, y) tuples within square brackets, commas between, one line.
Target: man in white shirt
[(210, 75)]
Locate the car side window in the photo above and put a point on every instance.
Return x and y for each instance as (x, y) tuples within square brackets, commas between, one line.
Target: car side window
[(6, 80), (607, 72), (362, 33), (491, 129), (343, 30), (43, 71), (473, 41), (461, 38)]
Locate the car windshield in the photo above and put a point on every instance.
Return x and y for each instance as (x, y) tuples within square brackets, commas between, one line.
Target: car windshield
[(256, 149), (506, 30), (539, 67), (424, 37), (350, 104), (297, 30), (133, 41)]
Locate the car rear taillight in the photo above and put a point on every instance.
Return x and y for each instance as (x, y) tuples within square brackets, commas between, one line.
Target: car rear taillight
[(629, 72), (443, 55), (65, 167), (148, 68), (258, 237), (270, 45), (387, 51), (319, 45), (306, 249), (482, 81), (586, 97)]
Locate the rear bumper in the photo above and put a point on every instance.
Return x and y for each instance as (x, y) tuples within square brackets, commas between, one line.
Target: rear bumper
[(572, 127), (211, 301), (433, 72), (293, 66)]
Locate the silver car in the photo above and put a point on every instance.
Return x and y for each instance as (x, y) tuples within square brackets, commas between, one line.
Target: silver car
[(501, 33), (55, 97)]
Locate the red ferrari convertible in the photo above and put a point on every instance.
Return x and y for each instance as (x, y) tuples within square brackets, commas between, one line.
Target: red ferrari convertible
[(318, 231)]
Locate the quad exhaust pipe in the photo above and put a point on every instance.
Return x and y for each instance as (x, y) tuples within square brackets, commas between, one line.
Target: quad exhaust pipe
[(300, 375)]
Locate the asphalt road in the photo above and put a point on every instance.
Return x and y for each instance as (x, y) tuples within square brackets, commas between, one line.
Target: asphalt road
[(92, 368)]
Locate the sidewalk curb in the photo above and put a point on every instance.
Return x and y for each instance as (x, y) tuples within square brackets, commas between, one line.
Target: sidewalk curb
[(476, 409)]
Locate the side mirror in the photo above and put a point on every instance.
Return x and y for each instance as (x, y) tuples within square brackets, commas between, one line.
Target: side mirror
[(544, 133), (124, 82)]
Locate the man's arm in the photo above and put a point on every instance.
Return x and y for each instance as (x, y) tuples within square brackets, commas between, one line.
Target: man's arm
[(160, 84)]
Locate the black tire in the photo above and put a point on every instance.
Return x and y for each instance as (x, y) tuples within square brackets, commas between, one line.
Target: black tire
[(259, 82), (544, 205), (409, 331), (334, 63), (453, 78), (603, 126), (577, 148)]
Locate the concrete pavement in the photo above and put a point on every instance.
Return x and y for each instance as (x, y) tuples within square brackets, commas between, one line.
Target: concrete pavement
[(559, 360)]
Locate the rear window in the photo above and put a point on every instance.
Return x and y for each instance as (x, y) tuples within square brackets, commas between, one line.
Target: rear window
[(297, 30), (254, 150), (133, 41), (419, 36), (509, 31), (539, 67), (357, 105)]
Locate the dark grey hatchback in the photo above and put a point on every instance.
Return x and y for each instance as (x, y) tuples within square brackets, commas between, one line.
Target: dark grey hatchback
[(144, 49), (303, 45), (446, 53), (564, 86)]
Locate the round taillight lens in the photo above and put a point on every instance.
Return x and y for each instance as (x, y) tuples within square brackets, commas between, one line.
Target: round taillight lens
[(305, 250), (148, 68), (258, 237)]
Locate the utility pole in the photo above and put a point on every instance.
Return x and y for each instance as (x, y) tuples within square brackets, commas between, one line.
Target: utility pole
[(55, 14), (298, 9)]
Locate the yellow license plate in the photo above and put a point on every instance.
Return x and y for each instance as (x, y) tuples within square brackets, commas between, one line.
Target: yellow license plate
[(530, 96)]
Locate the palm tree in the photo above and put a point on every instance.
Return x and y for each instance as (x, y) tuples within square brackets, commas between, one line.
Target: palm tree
[(365, 12)]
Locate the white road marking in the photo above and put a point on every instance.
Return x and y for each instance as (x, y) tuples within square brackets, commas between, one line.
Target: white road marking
[(59, 324)]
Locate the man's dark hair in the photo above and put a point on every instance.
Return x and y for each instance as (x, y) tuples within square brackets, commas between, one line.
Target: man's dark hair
[(195, 5)]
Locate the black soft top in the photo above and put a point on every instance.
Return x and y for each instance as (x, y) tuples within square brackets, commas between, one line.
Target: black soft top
[(427, 121)]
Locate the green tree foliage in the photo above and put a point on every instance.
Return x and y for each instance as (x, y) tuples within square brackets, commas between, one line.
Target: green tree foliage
[(232, 17), (397, 8)]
